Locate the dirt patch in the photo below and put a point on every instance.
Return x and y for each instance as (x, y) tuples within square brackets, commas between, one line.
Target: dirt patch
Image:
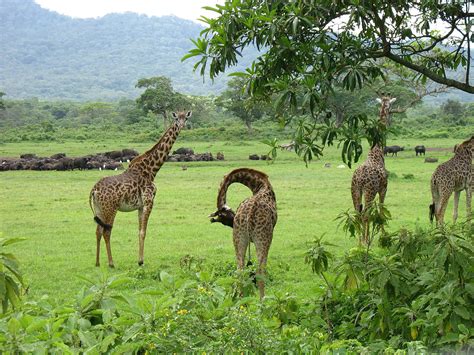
[(439, 149)]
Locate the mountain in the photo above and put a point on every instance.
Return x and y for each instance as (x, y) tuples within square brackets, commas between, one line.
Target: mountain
[(51, 56)]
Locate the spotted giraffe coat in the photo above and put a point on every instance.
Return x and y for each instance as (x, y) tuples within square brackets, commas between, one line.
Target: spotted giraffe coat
[(455, 175), (254, 219)]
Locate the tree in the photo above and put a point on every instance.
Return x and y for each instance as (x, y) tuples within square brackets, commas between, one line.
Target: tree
[(159, 96), (452, 107), (2, 103), (309, 47), (237, 100)]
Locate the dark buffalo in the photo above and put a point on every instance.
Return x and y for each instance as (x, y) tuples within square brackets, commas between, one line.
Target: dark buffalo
[(186, 151), (28, 156), (129, 153), (254, 157), (80, 163), (420, 149), (58, 156), (393, 149), (115, 155), (65, 164)]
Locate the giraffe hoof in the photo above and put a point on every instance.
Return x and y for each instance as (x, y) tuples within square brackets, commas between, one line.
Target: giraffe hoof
[(140, 263), (97, 264), (112, 266)]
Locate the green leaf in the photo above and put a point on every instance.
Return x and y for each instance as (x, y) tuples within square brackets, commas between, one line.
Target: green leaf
[(463, 312)]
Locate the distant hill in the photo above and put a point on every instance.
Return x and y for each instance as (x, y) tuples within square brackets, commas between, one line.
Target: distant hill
[(48, 55), (51, 56)]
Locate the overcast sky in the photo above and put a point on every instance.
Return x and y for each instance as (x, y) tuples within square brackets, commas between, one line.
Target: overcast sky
[(188, 9)]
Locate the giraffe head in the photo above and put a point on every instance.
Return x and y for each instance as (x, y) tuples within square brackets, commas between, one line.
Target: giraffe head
[(224, 215), (386, 100), (181, 117)]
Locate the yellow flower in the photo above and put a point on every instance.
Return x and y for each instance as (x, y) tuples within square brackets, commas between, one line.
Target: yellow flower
[(182, 312)]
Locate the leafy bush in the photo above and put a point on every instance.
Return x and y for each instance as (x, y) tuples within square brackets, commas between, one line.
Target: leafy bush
[(10, 276), (414, 294)]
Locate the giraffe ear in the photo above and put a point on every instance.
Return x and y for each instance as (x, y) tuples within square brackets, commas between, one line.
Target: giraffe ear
[(379, 100), (175, 116), (393, 100), (189, 114)]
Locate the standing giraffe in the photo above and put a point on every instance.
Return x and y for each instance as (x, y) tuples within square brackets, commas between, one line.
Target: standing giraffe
[(254, 220), (132, 190), (369, 179), (386, 101), (454, 175)]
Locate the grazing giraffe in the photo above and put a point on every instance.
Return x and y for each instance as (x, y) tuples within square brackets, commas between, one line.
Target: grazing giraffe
[(254, 220), (386, 101), (369, 179), (454, 175), (132, 190)]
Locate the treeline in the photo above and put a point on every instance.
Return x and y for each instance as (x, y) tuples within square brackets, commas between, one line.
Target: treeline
[(37, 120)]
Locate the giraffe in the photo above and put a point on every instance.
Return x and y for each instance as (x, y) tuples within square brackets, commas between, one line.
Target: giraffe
[(132, 190), (386, 101), (254, 220), (454, 175), (369, 179)]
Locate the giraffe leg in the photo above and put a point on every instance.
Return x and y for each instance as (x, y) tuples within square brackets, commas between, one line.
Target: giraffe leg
[(369, 197), (468, 204), (98, 234), (356, 192), (107, 234), (240, 246), (143, 215), (456, 205), (441, 209), (262, 245)]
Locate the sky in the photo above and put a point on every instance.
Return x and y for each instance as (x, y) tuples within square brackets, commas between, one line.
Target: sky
[(188, 9)]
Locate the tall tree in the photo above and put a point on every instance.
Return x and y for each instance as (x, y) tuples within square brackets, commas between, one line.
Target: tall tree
[(159, 96), (309, 47), (237, 100)]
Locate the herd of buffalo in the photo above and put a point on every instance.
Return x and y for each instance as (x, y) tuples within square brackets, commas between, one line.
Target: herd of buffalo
[(114, 160), (102, 161), (394, 149)]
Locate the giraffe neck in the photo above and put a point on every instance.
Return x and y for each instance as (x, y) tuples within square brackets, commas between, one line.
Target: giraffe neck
[(385, 113), (149, 163), (375, 156), (255, 180)]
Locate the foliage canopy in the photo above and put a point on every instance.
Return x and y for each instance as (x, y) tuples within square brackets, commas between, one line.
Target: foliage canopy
[(310, 47)]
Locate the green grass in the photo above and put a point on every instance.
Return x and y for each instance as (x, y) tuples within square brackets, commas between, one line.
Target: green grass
[(51, 211)]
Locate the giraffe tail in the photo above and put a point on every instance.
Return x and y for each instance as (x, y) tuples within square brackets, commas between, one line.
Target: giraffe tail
[(432, 212), (97, 219), (106, 226)]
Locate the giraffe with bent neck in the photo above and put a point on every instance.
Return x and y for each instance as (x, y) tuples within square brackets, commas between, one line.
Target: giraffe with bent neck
[(254, 220), (132, 190)]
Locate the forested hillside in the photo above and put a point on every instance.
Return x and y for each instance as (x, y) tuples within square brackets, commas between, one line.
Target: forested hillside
[(47, 55)]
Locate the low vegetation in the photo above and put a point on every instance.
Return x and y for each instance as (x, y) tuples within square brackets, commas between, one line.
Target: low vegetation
[(411, 290)]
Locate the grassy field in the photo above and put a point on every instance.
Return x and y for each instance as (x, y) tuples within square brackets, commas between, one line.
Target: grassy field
[(51, 211)]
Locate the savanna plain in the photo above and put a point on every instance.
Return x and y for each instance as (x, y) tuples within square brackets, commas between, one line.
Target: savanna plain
[(50, 210)]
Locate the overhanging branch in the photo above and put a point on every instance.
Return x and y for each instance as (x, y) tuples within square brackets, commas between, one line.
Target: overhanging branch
[(428, 73)]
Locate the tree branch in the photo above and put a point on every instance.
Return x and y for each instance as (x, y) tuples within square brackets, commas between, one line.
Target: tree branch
[(428, 73)]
